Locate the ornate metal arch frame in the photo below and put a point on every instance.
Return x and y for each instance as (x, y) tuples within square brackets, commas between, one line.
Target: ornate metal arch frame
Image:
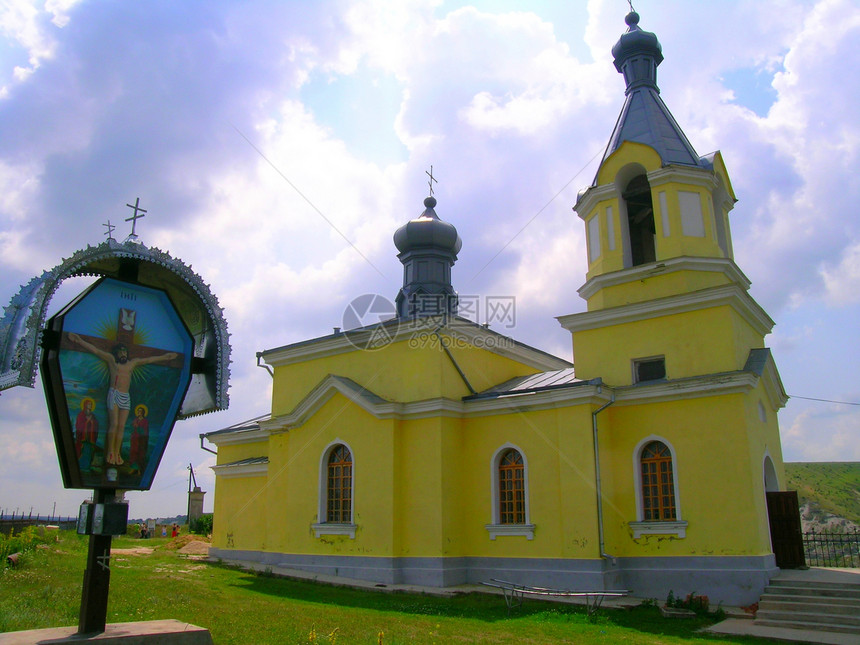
[(24, 319)]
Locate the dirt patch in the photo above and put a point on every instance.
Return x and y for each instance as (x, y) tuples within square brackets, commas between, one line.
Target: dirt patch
[(138, 550), (195, 548), (182, 540)]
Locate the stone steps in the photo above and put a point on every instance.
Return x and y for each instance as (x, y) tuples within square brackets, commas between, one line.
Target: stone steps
[(809, 603), (820, 589), (817, 606)]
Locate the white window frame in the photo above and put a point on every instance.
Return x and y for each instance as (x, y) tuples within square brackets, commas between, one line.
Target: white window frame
[(692, 215), (634, 367), (495, 528), (593, 228), (333, 528), (676, 527)]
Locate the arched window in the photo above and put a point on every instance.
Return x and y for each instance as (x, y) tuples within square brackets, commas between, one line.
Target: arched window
[(512, 490), (509, 474), (339, 486), (658, 506), (658, 483), (336, 491)]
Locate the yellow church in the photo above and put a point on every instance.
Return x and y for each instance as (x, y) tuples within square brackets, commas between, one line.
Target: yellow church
[(431, 450)]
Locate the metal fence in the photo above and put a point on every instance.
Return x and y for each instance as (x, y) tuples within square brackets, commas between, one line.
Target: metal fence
[(832, 548), (10, 524)]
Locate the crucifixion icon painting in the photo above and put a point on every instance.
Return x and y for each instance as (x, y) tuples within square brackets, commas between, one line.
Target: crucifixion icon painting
[(123, 361)]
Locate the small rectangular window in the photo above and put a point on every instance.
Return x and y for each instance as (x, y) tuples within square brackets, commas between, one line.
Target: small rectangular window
[(649, 369)]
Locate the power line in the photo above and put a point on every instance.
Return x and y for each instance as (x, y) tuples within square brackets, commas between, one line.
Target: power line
[(809, 398)]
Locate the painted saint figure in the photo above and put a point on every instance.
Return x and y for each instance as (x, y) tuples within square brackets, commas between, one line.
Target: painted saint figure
[(86, 431), (139, 438), (120, 368)]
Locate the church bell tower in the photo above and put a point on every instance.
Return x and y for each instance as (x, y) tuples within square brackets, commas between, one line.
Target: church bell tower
[(662, 287)]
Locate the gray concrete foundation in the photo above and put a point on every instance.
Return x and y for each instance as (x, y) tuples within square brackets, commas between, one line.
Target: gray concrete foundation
[(730, 580)]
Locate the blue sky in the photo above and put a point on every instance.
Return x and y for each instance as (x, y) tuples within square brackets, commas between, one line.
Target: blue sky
[(349, 102)]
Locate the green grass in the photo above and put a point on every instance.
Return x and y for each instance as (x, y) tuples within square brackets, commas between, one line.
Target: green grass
[(242, 607), (833, 486)]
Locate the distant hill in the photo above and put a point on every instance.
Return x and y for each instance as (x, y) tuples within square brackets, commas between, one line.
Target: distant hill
[(829, 492)]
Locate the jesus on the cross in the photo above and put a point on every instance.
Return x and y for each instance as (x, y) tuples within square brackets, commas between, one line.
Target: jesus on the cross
[(120, 368)]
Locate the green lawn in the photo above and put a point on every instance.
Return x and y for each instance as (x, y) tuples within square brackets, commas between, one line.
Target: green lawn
[(241, 607)]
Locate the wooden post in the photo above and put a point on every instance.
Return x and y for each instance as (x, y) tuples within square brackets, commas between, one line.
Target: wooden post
[(94, 595)]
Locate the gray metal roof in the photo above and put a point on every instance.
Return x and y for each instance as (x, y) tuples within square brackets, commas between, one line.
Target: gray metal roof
[(552, 380), (242, 426), (247, 462), (645, 118), (757, 360)]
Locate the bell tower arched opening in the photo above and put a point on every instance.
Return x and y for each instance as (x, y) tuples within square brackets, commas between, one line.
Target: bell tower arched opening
[(640, 221)]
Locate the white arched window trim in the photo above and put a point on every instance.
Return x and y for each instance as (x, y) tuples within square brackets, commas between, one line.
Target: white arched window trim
[(322, 527), (676, 527), (495, 528)]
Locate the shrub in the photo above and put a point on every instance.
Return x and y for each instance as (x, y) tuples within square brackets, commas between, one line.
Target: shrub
[(699, 604), (202, 525), (25, 541)]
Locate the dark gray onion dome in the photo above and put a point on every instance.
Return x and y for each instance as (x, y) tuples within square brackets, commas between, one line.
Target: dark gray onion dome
[(637, 54), (645, 118), (428, 249), (428, 231)]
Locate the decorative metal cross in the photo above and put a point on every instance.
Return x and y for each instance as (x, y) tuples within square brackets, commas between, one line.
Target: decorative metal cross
[(110, 228), (104, 561), (630, 4), (432, 179), (133, 219)]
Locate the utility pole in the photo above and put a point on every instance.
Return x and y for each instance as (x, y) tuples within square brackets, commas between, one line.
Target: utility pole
[(191, 478)]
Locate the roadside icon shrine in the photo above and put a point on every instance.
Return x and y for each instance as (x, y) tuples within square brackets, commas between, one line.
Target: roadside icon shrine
[(143, 346)]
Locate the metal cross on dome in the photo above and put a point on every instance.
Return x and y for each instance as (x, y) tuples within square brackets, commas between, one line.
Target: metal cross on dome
[(432, 179), (110, 229), (133, 219)]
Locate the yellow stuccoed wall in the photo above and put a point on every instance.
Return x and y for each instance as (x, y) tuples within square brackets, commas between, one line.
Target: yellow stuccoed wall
[(557, 447), (422, 486), (372, 444), (233, 452), (421, 504), (398, 372), (709, 472), (657, 285), (240, 512), (627, 153), (763, 439), (607, 352)]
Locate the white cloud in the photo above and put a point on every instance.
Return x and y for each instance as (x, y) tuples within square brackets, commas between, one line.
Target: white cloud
[(494, 100), (842, 281), (828, 432)]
